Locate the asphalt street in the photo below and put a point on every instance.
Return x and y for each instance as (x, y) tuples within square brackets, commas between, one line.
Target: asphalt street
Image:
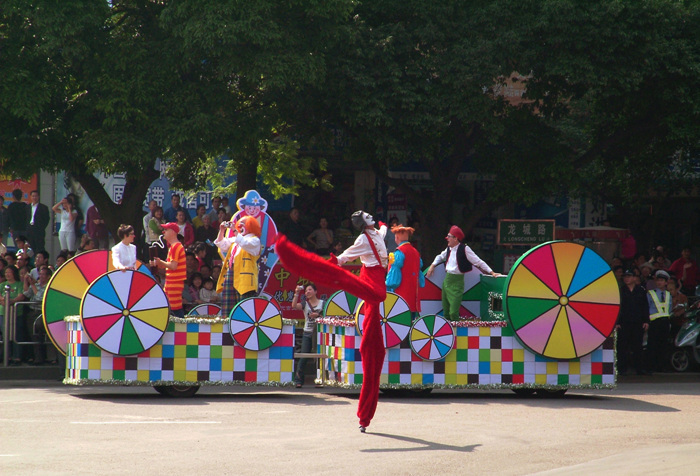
[(647, 425)]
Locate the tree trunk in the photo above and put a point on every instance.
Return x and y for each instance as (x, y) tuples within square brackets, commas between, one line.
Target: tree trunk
[(246, 178), (130, 210)]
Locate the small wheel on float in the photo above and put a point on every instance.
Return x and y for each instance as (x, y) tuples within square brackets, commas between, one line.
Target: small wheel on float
[(65, 290), (125, 312), (341, 304), (270, 298), (256, 323), (432, 337), (205, 310), (395, 319), (177, 391), (562, 300)]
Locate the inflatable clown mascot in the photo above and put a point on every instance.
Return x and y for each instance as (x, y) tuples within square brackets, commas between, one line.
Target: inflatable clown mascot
[(369, 286), (239, 274)]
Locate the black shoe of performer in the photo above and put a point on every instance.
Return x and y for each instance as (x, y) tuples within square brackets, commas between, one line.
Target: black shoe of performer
[(363, 429)]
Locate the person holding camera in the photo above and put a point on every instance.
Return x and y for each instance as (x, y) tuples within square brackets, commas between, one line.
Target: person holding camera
[(313, 309), (239, 276), (67, 213)]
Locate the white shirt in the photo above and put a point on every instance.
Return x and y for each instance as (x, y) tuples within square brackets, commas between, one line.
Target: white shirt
[(249, 242), (362, 249), (451, 265), (68, 225), (123, 256), (146, 219), (34, 207)]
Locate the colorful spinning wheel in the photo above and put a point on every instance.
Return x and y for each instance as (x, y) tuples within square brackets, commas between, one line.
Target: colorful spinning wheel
[(341, 304), (66, 288), (205, 310), (256, 323), (432, 337), (562, 300), (125, 312), (396, 319)]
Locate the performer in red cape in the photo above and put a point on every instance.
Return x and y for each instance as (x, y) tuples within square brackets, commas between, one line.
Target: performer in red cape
[(369, 286)]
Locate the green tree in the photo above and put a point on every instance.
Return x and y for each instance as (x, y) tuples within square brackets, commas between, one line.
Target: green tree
[(610, 85), (91, 86)]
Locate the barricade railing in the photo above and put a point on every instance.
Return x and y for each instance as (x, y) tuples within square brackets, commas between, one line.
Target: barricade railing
[(6, 326), (9, 335)]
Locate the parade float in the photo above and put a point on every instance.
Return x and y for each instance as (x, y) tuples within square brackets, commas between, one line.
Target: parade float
[(545, 327)]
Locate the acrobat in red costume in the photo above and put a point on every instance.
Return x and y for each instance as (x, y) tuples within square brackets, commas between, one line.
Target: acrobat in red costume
[(369, 286)]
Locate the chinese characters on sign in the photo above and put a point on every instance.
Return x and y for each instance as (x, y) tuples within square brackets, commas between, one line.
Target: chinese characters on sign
[(525, 232)]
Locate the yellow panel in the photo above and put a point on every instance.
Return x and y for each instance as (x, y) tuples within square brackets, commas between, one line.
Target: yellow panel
[(451, 379), (251, 354), (157, 318), (180, 364), (70, 281), (495, 357), (552, 368), (389, 303), (191, 375), (561, 345), (602, 290), (192, 338), (461, 379), (142, 375), (450, 367), (227, 365), (585, 379), (525, 284), (541, 379), (518, 355), (156, 351), (495, 367), (287, 365), (485, 331), (574, 368), (566, 258), (180, 352), (351, 367), (180, 375), (416, 379), (94, 363), (335, 310), (227, 353), (217, 328), (274, 377), (106, 375)]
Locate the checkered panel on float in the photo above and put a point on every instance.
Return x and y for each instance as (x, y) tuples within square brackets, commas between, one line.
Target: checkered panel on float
[(192, 352), (483, 355)]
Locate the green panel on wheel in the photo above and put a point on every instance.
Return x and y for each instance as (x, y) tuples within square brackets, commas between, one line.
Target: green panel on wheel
[(60, 305), (522, 311), (130, 343), (263, 341)]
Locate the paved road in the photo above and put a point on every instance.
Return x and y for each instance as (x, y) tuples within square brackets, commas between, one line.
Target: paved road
[(645, 426)]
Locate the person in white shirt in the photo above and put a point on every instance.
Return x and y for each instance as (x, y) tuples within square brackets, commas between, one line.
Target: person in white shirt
[(124, 252), (459, 259)]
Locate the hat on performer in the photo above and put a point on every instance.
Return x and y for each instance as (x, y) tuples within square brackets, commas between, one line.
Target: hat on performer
[(171, 226), (457, 232)]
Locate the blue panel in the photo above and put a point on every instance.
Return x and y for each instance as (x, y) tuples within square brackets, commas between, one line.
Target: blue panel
[(103, 289), (590, 267)]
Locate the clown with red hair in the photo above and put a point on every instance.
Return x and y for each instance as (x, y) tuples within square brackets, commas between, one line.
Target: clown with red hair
[(405, 277), (240, 252)]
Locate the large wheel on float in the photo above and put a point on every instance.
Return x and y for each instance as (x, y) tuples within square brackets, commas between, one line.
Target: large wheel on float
[(177, 391), (341, 304), (395, 319), (432, 337), (66, 288), (270, 298), (562, 300), (256, 323), (125, 312), (205, 310)]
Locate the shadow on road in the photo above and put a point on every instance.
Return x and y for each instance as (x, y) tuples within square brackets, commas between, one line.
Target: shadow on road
[(596, 402), (425, 445)]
